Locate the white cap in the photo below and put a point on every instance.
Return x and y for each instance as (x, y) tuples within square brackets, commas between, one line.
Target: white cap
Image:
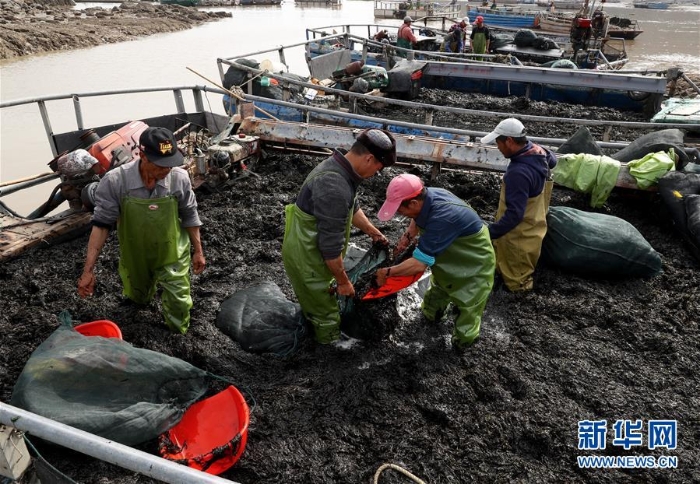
[(508, 127), (407, 19)]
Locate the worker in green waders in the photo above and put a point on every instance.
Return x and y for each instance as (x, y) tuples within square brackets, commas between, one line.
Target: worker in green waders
[(480, 38), (454, 242), (318, 225), (521, 217), (405, 37), (155, 210)]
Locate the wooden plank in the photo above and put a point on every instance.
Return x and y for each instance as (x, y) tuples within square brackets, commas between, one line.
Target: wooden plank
[(18, 235)]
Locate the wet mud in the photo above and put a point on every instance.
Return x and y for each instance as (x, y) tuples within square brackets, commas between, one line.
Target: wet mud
[(506, 410)]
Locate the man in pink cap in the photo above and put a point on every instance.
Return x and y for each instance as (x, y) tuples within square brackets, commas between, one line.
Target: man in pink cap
[(480, 38), (454, 242)]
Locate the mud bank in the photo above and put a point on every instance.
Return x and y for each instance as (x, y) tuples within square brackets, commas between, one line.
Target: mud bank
[(507, 410), (29, 28)]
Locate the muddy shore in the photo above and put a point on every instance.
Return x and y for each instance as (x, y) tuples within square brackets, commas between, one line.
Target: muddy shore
[(575, 348), (35, 27)]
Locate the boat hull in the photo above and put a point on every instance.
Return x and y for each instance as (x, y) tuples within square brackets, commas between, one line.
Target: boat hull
[(518, 21)]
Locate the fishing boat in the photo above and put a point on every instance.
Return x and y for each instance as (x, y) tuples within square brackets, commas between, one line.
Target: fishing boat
[(417, 9), (184, 3), (216, 147), (259, 2), (505, 18), (616, 27), (555, 5), (653, 5), (505, 47), (469, 75)]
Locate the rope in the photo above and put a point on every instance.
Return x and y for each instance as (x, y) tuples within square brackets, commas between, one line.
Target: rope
[(41, 458), (398, 469)]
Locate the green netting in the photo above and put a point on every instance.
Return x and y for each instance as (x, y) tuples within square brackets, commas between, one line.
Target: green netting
[(596, 244), (107, 387), (262, 320)]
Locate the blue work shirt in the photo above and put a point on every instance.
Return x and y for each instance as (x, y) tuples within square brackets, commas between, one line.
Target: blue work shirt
[(443, 218)]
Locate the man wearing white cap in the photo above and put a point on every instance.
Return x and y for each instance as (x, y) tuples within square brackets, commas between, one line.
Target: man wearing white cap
[(317, 228), (521, 219), (405, 37), (454, 242)]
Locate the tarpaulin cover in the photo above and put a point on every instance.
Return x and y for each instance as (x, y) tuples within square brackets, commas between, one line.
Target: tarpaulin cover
[(595, 244), (261, 319), (107, 387), (646, 171), (585, 173)]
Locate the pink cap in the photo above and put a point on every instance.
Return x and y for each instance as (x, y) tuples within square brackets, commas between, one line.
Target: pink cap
[(479, 19), (402, 187)]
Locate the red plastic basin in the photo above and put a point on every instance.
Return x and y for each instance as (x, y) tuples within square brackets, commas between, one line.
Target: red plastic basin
[(103, 327), (212, 434)]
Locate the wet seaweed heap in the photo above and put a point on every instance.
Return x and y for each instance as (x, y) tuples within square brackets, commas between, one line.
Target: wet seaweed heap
[(504, 411)]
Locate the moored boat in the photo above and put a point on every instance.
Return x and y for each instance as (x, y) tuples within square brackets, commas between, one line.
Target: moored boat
[(416, 10), (184, 3), (505, 18), (650, 4)]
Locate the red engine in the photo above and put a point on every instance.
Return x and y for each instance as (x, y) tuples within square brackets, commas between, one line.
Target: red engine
[(118, 147)]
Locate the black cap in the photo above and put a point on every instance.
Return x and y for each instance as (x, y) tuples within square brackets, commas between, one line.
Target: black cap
[(380, 143), (160, 147)]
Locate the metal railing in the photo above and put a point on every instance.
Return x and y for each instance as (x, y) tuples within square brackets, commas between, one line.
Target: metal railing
[(42, 101)]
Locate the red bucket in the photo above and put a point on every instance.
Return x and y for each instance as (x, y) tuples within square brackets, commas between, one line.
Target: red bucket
[(103, 327), (212, 434)]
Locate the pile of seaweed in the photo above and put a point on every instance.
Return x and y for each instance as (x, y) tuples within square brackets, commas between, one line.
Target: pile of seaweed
[(506, 410)]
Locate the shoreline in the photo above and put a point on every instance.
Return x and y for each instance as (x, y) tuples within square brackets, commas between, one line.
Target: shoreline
[(38, 28)]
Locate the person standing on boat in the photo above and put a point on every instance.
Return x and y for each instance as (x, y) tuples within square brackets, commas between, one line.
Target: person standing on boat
[(155, 209), (317, 228), (521, 218), (454, 242), (462, 25), (480, 38), (406, 38), (452, 42)]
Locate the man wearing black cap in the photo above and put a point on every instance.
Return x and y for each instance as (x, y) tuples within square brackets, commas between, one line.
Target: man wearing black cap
[(318, 225), (155, 210)]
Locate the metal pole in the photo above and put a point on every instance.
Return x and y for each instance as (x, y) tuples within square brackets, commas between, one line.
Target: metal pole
[(104, 449)]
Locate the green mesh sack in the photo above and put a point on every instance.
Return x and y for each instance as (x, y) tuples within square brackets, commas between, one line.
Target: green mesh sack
[(107, 387), (595, 244)]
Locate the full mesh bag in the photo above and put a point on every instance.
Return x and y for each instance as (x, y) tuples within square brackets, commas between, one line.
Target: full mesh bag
[(524, 38), (107, 387), (595, 244), (582, 141), (661, 140), (262, 320), (235, 76), (369, 319)]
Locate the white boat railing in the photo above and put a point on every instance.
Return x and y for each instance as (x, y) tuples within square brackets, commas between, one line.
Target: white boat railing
[(41, 103), (429, 110)]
